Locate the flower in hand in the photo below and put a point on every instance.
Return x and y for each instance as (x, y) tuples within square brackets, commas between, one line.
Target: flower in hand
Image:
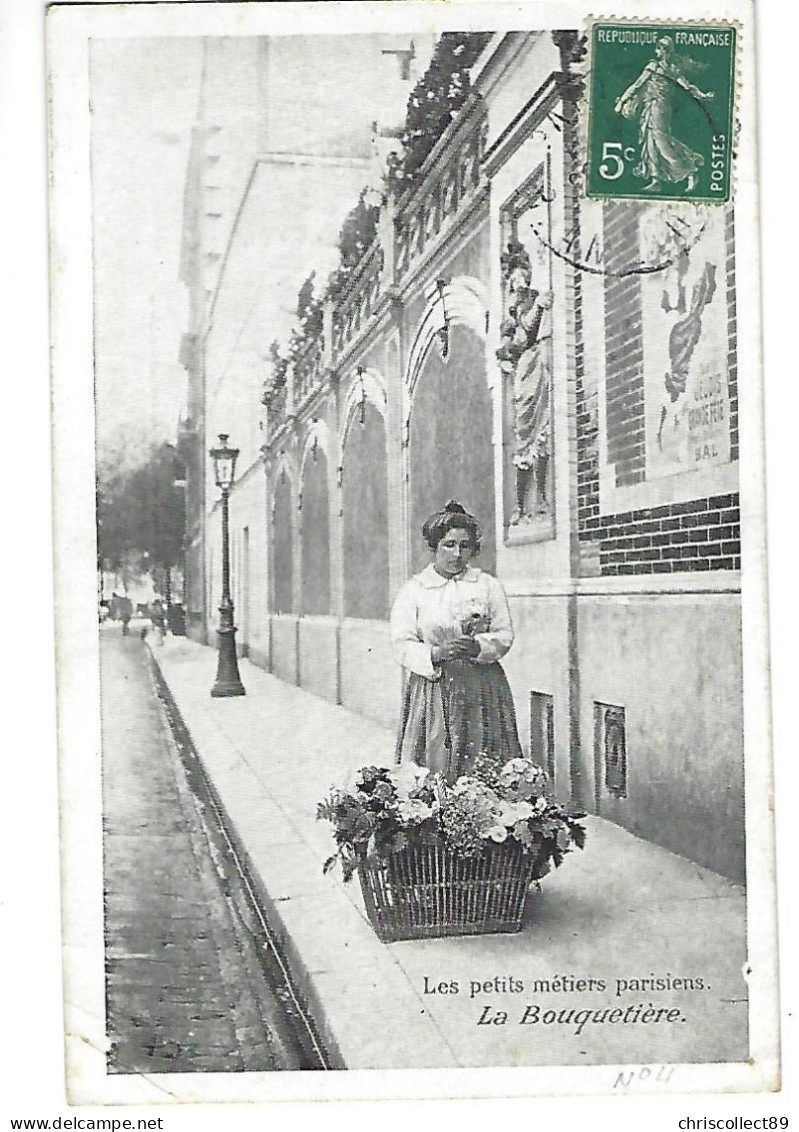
[(460, 649), (476, 622)]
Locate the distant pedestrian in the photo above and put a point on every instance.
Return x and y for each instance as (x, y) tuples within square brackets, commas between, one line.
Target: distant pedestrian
[(125, 613), (158, 619)]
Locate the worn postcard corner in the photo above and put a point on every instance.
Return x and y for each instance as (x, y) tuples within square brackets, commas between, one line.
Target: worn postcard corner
[(410, 551)]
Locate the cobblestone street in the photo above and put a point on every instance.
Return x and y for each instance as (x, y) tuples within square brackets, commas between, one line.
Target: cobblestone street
[(187, 964)]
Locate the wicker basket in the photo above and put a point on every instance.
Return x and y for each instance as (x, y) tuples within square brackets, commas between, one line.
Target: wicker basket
[(429, 891)]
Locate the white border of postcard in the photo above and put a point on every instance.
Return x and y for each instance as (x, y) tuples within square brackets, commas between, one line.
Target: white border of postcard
[(69, 28)]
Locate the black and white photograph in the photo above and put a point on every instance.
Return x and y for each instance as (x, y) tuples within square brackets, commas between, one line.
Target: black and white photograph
[(410, 543)]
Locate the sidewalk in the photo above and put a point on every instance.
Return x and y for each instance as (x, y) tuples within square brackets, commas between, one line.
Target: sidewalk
[(623, 909)]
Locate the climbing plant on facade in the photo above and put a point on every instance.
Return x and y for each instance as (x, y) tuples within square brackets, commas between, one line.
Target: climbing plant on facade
[(354, 239), (433, 104), (277, 369)]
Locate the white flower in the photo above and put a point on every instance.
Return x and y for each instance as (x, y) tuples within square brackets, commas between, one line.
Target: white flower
[(522, 778), (541, 804), (498, 833), (469, 785), (414, 810), (512, 812), (476, 608), (409, 776)]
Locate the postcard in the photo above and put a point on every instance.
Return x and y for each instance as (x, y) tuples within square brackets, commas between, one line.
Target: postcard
[(410, 551)]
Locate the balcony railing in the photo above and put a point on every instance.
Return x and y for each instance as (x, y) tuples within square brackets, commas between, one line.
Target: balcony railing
[(360, 300), (452, 176), (308, 369), (276, 402)]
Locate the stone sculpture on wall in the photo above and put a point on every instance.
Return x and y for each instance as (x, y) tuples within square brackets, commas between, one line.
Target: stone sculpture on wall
[(525, 356)]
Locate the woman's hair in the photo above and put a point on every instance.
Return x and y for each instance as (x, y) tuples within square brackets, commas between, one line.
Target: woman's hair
[(451, 516)]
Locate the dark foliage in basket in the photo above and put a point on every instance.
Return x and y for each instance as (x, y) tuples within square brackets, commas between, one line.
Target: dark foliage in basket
[(388, 810)]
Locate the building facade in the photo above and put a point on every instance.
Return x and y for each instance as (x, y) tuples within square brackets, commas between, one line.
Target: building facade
[(565, 368)]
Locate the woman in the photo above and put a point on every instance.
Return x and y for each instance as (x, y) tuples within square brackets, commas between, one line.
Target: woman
[(663, 157), (449, 626)]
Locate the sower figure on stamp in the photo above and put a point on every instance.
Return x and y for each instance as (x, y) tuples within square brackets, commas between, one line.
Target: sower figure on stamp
[(526, 355), (663, 156)]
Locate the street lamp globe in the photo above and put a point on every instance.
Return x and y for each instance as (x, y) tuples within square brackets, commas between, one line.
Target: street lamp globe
[(224, 459)]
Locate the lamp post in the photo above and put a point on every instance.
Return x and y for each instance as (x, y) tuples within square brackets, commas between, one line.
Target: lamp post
[(228, 681)]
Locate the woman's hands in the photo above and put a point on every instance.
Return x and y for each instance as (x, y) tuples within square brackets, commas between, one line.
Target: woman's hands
[(475, 623), (463, 648)]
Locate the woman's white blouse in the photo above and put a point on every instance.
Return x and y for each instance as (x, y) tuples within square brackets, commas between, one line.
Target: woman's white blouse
[(430, 608)]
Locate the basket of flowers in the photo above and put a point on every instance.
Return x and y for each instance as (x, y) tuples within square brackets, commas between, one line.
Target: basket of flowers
[(435, 859)]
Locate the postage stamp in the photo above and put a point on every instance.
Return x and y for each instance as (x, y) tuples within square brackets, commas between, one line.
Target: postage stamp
[(661, 119)]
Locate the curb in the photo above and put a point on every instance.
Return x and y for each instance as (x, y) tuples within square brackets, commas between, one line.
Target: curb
[(300, 976)]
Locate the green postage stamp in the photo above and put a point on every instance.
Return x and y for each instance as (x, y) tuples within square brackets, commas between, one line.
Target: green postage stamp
[(661, 111)]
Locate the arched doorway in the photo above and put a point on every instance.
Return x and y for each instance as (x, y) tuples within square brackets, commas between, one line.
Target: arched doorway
[(282, 550), (315, 536), (451, 449), (365, 516)]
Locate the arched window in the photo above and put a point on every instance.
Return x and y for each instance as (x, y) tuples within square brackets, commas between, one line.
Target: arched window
[(365, 516), (315, 535), (451, 449), (282, 553)]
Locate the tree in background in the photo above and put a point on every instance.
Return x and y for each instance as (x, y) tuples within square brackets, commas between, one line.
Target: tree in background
[(141, 513)]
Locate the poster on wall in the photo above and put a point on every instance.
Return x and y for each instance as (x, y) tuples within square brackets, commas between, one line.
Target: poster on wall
[(407, 712), (689, 339)]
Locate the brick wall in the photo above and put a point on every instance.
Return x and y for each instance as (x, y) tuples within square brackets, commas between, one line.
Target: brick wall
[(703, 534), (624, 345), (586, 414)]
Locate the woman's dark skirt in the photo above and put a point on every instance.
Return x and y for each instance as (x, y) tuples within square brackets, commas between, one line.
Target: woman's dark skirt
[(447, 724)]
